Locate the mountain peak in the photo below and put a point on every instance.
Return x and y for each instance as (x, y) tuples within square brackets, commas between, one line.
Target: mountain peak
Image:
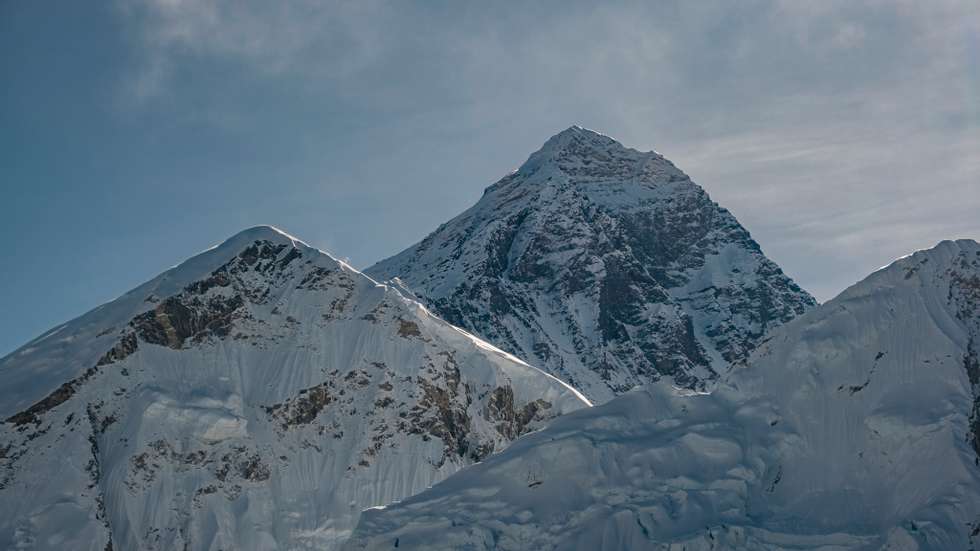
[(587, 155), (261, 232), (893, 360), (264, 233), (574, 141), (606, 266), (924, 267), (258, 372), (946, 249), (576, 131)]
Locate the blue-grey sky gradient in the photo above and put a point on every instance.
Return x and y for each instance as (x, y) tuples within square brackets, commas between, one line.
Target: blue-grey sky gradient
[(135, 133)]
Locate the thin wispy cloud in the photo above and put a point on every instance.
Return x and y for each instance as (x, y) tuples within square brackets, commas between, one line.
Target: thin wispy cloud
[(841, 133), (824, 126), (320, 39)]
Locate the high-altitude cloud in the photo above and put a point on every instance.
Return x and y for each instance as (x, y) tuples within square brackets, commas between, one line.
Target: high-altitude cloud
[(842, 133)]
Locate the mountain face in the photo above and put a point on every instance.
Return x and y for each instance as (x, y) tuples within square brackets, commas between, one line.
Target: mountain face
[(257, 396), (855, 426), (605, 266)]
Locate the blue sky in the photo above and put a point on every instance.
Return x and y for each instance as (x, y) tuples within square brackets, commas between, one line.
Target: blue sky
[(136, 133)]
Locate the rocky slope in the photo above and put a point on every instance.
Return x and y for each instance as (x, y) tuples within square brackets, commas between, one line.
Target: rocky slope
[(605, 266), (855, 426), (257, 396)]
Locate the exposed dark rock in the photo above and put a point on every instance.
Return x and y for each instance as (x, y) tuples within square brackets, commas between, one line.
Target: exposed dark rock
[(439, 415), (56, 398), (302, 409), (254, 469), (597, 245), (964, 297), (408, 329), (173, 321), (512, 422), (126, 346)]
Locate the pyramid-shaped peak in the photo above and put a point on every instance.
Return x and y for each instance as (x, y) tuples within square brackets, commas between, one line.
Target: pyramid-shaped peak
[(264, 240), (627, 253), (576, 130), (577, 135), (577, 145), (264, 233)]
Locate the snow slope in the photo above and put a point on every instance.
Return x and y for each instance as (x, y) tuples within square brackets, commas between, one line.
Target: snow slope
[(852, 427), (605, 266), (258, 396)]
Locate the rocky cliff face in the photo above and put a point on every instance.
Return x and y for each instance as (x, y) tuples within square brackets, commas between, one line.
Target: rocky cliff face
[(853, 426), (605, 266), (258, 396)]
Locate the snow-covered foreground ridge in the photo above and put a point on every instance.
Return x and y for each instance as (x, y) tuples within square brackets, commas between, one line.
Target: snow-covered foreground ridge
[(605, 266), (258, 396), (853, 426)]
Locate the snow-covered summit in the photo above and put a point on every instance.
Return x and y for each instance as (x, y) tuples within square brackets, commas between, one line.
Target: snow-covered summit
[(256, 396), (573, 141), (65, 351), (260, 232), (264, 233), (580, 152), (854, 426), (606, 266), (919, 263)]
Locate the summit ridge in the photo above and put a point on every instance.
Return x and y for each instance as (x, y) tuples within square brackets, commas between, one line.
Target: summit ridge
[(605, 266)]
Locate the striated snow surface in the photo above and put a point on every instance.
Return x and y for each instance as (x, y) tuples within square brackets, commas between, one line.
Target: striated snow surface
[(854, 426), (258, 396)]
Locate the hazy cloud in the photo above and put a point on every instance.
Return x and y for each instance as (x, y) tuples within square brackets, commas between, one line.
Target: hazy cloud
[(319, 39), (839, 132), (843, 134)]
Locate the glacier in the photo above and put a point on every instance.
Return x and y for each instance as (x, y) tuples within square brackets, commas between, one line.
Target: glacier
[(265, 395), (854, 426), (258, 396)]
